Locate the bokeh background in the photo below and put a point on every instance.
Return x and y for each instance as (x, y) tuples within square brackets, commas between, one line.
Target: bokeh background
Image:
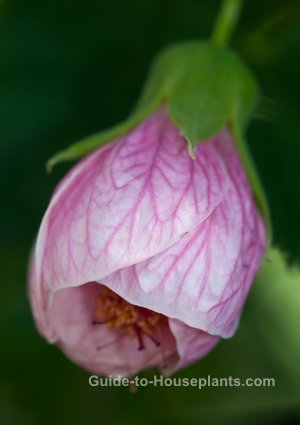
[(69, 68)]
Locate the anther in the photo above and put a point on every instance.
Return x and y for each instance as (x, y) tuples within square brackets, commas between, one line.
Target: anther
[(156, 342), (118, 314), (140, 338), (102, 322)]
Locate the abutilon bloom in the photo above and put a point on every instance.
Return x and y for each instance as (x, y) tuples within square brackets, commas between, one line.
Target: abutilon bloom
[(145, 256), (150, 244)]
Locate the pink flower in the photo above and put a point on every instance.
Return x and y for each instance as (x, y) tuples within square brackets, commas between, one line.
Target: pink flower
[(145, 256)]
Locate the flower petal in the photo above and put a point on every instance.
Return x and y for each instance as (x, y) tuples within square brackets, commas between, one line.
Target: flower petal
[(125, 203), (97, 348), (107, 352), (203, 279), (192, 344)]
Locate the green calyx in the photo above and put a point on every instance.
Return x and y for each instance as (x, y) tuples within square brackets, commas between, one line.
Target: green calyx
[(204, 88)]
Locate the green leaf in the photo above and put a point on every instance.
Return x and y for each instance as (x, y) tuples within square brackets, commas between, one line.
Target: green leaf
[(278, 294)]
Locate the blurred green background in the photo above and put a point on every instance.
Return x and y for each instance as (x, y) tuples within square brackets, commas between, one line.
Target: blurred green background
[(70, 68)]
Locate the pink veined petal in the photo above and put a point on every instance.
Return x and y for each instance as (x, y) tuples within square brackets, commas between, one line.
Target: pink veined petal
[(125, 203), (39, 299), (203, 279), (192, 344), (113, 353), (96, 347)]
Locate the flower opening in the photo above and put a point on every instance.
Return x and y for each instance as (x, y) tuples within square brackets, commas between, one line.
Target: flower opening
[(137, 322)]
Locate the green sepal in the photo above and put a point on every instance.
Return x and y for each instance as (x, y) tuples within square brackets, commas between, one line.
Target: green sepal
[(214, 89), (83, 147), (253, 178)]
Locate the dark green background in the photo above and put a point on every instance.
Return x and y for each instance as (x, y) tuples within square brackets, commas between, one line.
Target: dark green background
[(70, 68)]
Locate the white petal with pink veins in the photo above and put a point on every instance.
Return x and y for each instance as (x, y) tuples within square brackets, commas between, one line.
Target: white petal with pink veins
[(203, 279), (192, 344), (127, 202)]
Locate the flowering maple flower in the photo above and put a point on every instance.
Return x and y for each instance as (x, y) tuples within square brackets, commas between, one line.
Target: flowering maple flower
[(145, 256)]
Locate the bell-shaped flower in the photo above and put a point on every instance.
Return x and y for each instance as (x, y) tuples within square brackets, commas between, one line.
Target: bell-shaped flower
[(145, 256)]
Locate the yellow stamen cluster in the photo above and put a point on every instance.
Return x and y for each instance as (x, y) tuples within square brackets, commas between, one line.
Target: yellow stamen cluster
[(118, 313)]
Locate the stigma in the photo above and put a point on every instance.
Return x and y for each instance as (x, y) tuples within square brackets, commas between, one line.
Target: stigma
[(137, 322)]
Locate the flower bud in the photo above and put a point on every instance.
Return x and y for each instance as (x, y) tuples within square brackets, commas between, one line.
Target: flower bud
[(145, 256)]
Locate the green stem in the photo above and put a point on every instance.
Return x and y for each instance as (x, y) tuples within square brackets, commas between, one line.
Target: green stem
[(226, 21)]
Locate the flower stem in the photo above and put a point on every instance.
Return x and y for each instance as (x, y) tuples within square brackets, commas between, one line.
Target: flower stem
[(226, 21)]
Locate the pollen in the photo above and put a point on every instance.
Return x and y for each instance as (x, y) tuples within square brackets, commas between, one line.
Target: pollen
[(118, 314)]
